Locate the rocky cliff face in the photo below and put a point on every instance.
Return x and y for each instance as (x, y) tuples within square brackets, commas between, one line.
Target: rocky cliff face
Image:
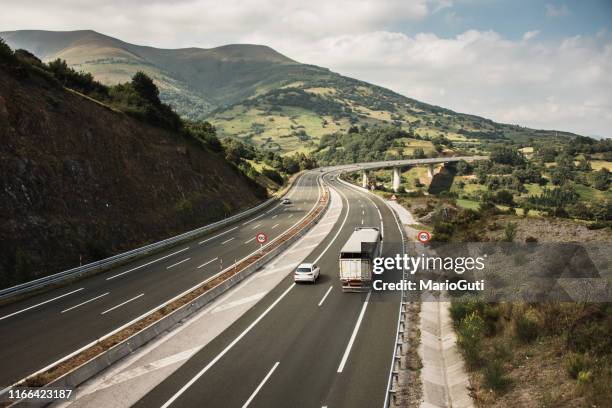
[(79, 181)]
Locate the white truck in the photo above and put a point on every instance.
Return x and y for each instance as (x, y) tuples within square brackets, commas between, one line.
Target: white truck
[(357, 258)]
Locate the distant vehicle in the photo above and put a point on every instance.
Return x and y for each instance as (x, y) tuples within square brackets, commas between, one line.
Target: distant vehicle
[(357, 258), (307, 272), (286, 201)]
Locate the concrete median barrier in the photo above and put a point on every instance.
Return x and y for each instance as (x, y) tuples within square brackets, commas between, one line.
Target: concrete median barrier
[(78, 369)]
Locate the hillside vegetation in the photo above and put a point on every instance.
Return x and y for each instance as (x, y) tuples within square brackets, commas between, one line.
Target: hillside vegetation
[(85, 178), (253, 93)]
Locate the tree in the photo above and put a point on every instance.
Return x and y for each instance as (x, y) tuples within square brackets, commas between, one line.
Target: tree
[(504, 197), (601, 179), (507, 155), (146, 88), (463, 168), (584, 165), (419, 153)]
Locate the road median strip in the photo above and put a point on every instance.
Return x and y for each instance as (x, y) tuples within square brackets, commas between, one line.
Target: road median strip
[(76, 368)]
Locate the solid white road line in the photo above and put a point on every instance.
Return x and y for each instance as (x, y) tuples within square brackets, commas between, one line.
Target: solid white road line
[(206, 263), (257, 226), (121, 304), (354, 335), (325, 296), (348, 207), (178, 263), (85, 302), (227, 240), (147, 264), (250, 240), (226, 349), (218, 235), (399, 311), (274, 226), (238, 302), (261, 384), (40, 304)]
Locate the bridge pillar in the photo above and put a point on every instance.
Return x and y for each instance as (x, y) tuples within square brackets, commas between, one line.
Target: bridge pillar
[(364, 179), (430, 170), (397, 177)]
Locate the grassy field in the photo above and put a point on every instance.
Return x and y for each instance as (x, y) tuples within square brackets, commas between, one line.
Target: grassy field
[(414, 174), (468, 204), (589, 193), (600, 164)]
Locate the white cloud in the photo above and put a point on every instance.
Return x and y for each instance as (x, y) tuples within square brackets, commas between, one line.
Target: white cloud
[(556, 11), (561, 85), (555, 86)]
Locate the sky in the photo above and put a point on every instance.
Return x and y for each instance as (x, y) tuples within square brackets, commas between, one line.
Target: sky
[(542, 64)]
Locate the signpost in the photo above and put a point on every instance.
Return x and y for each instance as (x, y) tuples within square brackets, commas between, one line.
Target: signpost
[(423, 236), (261, 238)]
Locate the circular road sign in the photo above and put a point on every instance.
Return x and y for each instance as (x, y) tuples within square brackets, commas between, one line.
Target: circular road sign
[(423, 236), (261, 238)]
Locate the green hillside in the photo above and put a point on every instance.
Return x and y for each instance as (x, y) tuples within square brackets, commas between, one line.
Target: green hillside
[(253, 93)]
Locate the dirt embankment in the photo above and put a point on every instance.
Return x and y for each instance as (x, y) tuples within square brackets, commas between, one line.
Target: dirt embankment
[(79, 182)]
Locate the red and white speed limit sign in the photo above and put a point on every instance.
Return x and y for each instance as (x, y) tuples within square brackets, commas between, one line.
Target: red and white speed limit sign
[(261, 238), (423, 236)]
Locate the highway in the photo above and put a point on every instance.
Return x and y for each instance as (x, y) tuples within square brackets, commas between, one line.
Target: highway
[(42, 329), (302, 345)]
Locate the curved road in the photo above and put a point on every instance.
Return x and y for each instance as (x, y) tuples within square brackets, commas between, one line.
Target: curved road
[(302, 345), (42, 329)]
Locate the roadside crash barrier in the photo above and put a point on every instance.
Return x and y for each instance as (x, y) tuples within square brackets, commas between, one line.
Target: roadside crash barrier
[(122, 258), (75, 369)]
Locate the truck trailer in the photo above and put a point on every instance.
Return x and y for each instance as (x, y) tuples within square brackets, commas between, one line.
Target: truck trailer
[(357, 258)]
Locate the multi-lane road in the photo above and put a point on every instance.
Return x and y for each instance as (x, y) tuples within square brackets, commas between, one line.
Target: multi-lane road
[(40, 330), (299, 346), (302, 345)]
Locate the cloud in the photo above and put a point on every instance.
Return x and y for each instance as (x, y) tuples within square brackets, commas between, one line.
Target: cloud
[(561, 84), (553, 11)]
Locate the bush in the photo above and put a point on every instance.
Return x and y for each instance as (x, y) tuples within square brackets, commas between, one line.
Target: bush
[(510, 232), (575, 363), (469, 338), (584, 377), (273, 175), (459, 310), (527, 327), (495, 378)]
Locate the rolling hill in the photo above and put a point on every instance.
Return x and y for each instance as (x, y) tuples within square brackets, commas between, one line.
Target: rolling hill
[(81, 181), (260, 96)]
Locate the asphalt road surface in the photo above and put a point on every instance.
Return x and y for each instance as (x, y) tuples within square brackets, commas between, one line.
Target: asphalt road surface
[(42, 329), (302, 345)]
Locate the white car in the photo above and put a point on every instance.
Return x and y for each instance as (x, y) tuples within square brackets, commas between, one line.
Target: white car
[(307, 272), (286, 201)]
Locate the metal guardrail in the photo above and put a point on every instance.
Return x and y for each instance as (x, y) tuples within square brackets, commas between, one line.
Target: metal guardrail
[(108, 357), (123, 257)]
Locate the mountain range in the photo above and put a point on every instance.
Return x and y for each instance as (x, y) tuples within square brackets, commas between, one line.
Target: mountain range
[(254, 93)]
